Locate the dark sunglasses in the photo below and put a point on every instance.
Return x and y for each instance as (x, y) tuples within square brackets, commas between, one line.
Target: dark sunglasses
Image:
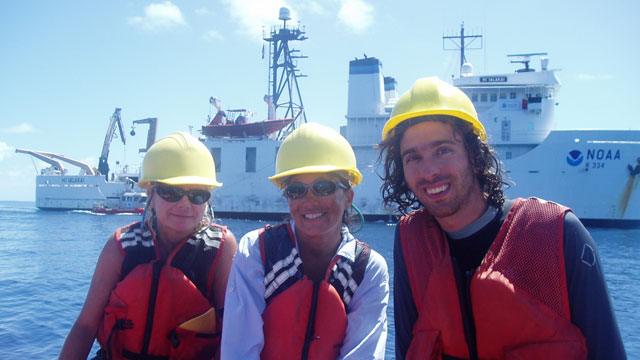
[(175, 194), (322, 187)]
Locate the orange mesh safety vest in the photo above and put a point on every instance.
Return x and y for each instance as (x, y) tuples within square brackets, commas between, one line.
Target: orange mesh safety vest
[(161, 310), (304, 319), (518, 294)]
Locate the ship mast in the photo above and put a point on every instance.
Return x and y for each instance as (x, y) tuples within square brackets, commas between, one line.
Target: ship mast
[(459, 42), (283, 90)]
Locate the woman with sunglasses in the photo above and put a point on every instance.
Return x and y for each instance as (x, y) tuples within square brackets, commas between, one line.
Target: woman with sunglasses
[(307, 288), (159, 285)]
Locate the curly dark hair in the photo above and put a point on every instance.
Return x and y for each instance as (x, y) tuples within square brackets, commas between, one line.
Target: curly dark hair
[(481, 155)]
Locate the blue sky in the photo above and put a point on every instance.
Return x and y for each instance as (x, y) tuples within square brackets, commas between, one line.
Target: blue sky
[(66, 65)]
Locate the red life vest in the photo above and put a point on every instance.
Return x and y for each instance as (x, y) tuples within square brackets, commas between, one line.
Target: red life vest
[(305, 319), (161, 309), (518, 294)]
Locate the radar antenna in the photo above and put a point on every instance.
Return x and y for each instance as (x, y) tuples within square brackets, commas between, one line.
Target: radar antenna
[(283, 89), (525, 59), (461, 44)]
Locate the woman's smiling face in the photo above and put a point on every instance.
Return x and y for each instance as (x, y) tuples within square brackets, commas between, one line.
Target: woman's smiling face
[(319, 215)]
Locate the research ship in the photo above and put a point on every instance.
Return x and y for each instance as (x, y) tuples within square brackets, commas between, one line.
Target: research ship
[(92, 189), (595, 172)]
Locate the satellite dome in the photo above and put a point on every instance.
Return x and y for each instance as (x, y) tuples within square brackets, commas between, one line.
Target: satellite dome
[(467, 70), (285, 14)]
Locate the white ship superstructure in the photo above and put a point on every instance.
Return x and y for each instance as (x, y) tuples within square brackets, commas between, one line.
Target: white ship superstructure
[(595, 172)]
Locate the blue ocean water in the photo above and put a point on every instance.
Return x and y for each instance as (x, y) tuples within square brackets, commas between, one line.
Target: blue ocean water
[(47, 260)]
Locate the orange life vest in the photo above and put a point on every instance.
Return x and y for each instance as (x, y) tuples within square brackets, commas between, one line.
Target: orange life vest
[(518, 294), (160, 310), (305, 319)]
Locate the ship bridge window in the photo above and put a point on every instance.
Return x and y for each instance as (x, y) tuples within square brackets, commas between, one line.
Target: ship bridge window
[(512, 96), (493, 97), (250, 166), (216, 152), (483, 97), (503, 96), (474, 97)]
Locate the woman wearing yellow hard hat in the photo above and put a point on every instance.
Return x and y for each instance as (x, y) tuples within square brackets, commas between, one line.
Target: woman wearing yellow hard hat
[(159, 285), (307, 288)]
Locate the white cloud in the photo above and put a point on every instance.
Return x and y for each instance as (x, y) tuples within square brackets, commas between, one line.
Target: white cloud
[(5, 150), (159, 16), (256, 15), (317, 8), (357, 15), (202, 11), (19, 129), (212, 35), (592, 77)]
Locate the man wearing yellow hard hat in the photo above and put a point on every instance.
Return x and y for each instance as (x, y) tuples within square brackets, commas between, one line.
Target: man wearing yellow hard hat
[(476, 275)]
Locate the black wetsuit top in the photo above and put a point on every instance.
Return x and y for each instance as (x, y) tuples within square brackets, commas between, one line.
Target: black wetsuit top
[(589, 299)]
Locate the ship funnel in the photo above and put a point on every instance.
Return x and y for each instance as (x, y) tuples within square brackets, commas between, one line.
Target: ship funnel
[(466, 70), (285, 14), (366, 88), (544, 63)]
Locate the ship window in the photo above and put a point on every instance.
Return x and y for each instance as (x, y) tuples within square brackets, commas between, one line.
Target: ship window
[(474, 97), (503, 96), (512, 96), (250, 166), (493, 97), (508, 155), (483, 97), (216, 152)]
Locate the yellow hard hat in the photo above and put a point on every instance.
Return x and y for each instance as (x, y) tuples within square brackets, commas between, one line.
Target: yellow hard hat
[(432, 96), (315, 148), (178, 159)]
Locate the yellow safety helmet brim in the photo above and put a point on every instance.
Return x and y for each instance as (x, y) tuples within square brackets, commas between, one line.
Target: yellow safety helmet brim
[(355, 175), (178, 159), (182, 180), (315, 148), (432, 96)]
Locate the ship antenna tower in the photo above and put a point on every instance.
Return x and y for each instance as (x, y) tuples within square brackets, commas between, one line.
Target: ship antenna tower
[(459, 43), (283, 73)]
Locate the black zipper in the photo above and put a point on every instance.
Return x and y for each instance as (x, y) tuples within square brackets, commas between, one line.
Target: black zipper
[(463, 282), (153, 294), (312, 321)]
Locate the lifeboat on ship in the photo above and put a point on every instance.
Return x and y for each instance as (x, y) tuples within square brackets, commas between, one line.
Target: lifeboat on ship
[(235, 123)]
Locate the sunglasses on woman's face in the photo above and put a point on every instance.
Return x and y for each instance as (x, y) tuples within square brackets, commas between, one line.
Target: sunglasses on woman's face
[(322, 187), (175, 194)]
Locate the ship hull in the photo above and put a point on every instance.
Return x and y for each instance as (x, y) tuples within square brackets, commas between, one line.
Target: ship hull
[(586, 170), (596, 184), (81, 192)]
